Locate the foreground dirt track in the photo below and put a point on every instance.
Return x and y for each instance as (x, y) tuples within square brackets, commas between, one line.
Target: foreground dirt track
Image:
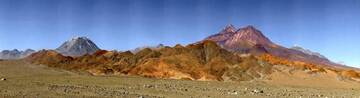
[(26, 80)]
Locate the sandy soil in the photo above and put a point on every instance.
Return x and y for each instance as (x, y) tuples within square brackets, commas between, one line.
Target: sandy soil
[(27, 80)]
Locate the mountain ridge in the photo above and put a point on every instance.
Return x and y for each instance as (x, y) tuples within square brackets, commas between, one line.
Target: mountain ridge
[(230, 55), (307, 51), (15, 54)]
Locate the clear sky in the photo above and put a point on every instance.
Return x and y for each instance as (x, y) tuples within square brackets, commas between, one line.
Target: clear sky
[(331, 27)]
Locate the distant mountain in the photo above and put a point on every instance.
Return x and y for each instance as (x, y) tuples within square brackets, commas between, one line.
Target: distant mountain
[(251, 40), (15, 54), (307, 51), (243, 40), (151, 47), (77, 46)]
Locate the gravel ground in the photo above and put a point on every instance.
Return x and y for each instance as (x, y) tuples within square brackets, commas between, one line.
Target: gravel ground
[(25, 80)]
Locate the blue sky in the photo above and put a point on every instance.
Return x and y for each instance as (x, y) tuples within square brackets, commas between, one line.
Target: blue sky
[(331, 27)]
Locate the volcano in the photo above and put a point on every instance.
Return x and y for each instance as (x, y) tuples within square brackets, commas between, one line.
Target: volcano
[(250, 40), (78, 46)]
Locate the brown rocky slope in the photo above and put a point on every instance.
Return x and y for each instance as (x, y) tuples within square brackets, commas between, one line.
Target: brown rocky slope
[(201, 61)]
